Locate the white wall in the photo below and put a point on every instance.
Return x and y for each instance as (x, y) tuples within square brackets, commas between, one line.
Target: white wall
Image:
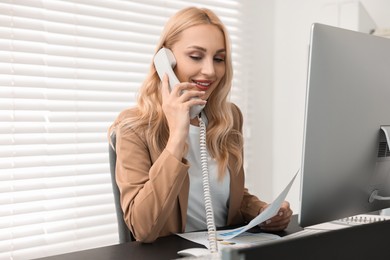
[(259, 78), (279, 85)]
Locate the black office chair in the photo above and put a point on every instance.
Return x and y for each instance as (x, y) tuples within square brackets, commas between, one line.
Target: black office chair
[(125, 234)]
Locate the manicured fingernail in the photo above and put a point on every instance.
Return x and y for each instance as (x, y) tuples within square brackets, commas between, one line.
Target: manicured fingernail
[(280, 213), (268, 221)]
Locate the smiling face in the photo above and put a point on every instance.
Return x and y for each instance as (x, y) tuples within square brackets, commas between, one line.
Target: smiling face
[(200, 57)]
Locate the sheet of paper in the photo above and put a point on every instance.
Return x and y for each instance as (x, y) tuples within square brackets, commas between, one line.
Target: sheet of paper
[(245, 239), (237, 236), (269, 212)]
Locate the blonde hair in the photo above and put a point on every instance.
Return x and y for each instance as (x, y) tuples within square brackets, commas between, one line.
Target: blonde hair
[(222, 139)]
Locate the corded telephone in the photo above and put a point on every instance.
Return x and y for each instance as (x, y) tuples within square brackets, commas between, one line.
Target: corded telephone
[(165, 61)]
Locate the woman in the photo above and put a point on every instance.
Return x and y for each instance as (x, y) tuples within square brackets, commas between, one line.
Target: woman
[(158, 167)]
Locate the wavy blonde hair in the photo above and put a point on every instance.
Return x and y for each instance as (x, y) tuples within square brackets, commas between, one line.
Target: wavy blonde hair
[(222, 139)]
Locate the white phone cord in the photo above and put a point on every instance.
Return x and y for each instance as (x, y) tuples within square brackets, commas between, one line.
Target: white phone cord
[(211, 229)]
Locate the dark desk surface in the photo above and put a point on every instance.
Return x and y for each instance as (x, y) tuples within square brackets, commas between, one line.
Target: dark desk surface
[(368, 241), (162, 248)]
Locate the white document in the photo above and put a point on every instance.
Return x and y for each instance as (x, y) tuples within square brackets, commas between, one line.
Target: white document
[(268, 213), (245, 239), (226, 236)]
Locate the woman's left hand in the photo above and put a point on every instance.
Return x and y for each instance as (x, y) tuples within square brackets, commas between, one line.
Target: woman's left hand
[(280, 221)]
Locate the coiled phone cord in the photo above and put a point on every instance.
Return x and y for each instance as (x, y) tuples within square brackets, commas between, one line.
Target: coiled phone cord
[(211, 229)]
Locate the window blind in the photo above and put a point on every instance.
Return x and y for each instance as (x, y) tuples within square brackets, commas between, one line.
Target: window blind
[(67, 68)]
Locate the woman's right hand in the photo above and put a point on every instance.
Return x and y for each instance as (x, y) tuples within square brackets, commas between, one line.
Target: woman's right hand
[(176, 105)]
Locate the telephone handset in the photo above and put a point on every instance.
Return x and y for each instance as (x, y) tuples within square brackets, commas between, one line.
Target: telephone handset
[(165, 61)]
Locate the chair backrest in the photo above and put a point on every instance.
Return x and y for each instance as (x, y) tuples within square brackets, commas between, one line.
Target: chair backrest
[(125, 234)]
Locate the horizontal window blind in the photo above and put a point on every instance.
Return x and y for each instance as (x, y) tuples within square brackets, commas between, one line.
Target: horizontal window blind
[(67, 68)]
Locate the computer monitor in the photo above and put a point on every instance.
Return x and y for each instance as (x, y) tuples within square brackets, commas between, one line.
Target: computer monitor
[(346, 158)]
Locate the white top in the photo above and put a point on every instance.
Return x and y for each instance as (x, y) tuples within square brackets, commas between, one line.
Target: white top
[(196, 213)]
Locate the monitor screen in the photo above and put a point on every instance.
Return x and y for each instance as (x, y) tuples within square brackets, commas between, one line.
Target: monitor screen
[(345, 157)]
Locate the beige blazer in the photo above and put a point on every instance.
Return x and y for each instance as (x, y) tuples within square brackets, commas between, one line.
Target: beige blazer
[(154, 187)]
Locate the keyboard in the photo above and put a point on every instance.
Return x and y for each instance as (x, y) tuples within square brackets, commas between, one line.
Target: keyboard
[(360, 219)]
